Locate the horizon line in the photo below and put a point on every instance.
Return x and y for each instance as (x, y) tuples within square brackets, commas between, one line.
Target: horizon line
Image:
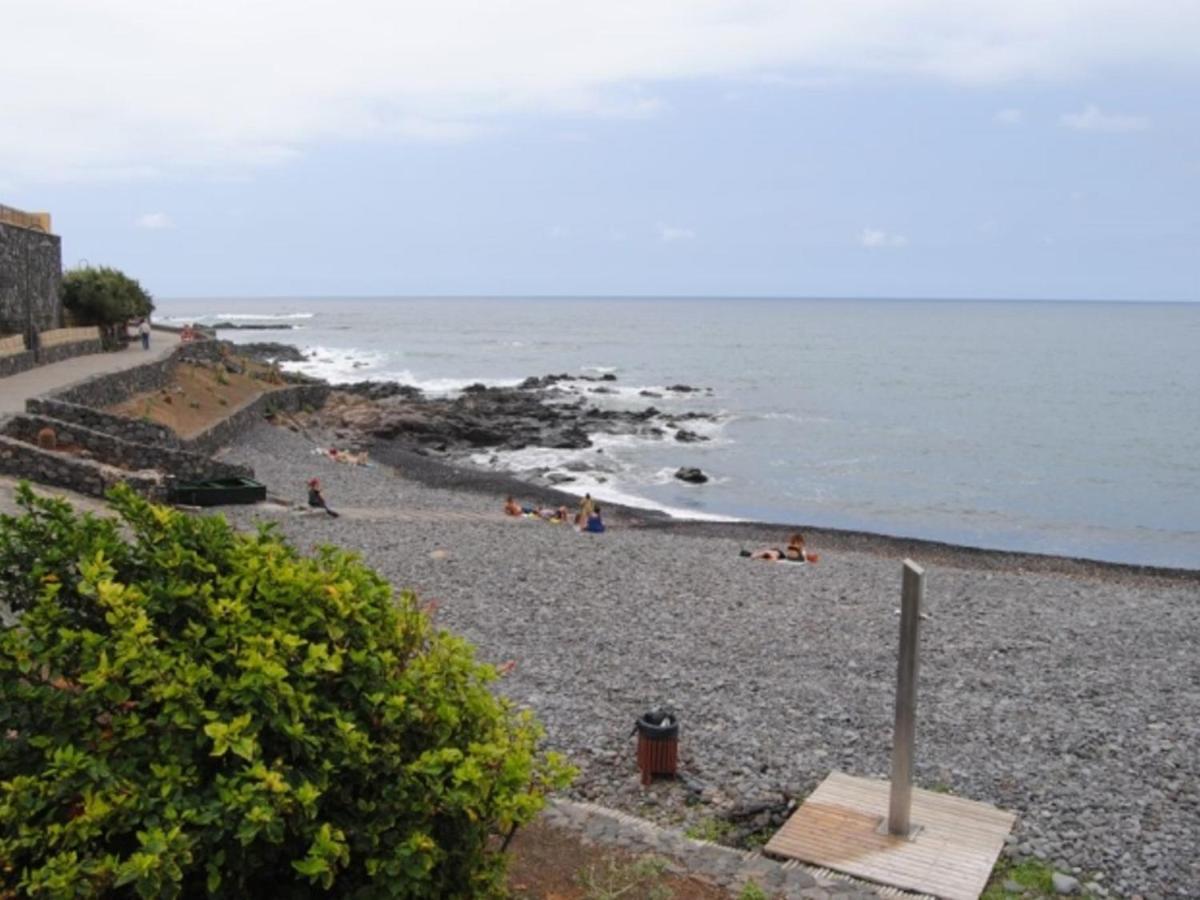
[(802, 297)]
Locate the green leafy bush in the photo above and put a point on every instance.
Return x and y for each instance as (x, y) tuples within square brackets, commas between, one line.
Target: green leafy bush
[(189, 711), (103, 296)]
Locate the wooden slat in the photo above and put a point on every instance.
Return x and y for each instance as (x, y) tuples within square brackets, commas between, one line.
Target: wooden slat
[(952, 856)]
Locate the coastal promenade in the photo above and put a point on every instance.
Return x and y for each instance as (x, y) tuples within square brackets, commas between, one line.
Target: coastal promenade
[(16, 389)]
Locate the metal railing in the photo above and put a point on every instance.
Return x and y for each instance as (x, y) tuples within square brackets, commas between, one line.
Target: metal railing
[(33, 221)]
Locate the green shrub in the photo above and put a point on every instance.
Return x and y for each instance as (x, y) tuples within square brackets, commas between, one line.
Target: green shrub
[(189, 711), (105, 297)]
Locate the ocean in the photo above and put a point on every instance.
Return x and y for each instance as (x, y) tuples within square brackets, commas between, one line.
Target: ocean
[(1068, 428)]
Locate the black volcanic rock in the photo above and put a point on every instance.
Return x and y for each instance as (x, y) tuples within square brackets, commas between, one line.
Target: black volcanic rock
[(269, 351), (381, 390), (691, 475)]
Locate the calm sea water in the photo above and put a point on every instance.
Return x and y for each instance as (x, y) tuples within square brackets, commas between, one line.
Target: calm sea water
[(1067, 428)]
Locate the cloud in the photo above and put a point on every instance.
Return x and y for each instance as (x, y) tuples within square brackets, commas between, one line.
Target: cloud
[(670, 234), (877, 237), (155, 221), (98, 89), (1092, 119), (1009, 116)]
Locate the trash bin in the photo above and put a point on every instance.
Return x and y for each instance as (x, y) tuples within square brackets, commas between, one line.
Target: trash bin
[(658, 744)]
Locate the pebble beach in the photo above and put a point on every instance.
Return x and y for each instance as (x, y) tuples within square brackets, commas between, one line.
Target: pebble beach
[(1064, 691)]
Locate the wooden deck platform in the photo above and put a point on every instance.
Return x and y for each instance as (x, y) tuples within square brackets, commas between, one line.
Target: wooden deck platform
[(951, 856)]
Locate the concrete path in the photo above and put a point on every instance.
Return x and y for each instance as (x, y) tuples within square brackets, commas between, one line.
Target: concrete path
[(15, 389)]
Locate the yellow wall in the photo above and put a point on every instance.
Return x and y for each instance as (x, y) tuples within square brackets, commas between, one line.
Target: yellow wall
[(38, 221)]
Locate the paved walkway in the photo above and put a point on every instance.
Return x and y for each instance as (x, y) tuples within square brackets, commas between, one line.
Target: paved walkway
[(15, 389)]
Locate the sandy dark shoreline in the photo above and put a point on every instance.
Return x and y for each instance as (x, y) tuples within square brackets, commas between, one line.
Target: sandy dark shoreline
[(454, 476)]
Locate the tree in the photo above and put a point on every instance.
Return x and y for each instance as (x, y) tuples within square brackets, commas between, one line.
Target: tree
[(104, 296), (189, 711)]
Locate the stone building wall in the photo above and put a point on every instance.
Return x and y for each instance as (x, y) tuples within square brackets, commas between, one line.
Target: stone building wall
[(29, 260)]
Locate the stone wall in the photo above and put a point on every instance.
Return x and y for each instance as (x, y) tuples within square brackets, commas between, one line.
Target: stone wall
[(105, 448), (30, 269), (15, 363), (101, 391), (134, 430), (47, 355), (85, 476), (287, 399), (76, 416)]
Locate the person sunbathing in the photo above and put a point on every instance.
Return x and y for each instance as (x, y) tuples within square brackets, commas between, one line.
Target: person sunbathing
[(794, 552), (512, 508), (557, 516)]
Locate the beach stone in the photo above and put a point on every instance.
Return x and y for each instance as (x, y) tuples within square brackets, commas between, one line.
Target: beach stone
[(1064, 884), (691, 475)]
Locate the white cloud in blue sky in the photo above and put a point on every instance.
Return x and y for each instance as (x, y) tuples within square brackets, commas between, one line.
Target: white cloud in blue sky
[(155, 221), (1092, 119), (376, 146), (670, 234), (872, 238)]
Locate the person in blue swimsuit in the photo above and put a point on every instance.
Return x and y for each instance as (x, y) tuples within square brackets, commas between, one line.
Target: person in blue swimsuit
[(594, 523)]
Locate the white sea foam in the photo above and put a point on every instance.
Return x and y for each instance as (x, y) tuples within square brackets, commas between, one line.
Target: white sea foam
[(608, 478), (264, 317), (612, 493), (441, 385), (209, 318), (337, 365)]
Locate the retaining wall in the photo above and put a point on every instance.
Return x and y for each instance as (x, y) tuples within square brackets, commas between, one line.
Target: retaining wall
[(287, 399), (135, 431), (135, 444), (59, 352), (15, 363), (105, 448), (84, 476)]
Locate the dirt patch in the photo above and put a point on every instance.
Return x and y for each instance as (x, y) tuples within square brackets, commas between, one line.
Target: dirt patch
[(199, 396), (549, 863)]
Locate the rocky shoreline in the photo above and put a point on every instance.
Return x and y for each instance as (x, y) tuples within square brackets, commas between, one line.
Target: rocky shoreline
[(556, 411)]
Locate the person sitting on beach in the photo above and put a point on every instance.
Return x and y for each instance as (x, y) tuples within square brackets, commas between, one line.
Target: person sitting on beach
[(793, 552), (315, 500), (594, 523), (512, 508)]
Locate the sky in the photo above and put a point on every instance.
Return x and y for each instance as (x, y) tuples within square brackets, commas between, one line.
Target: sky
[(862, 148)]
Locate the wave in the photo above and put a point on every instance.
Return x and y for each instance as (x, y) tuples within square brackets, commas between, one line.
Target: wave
[(608, 478), (337, 365), (265, 317), (209, 318), (441, 385)]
